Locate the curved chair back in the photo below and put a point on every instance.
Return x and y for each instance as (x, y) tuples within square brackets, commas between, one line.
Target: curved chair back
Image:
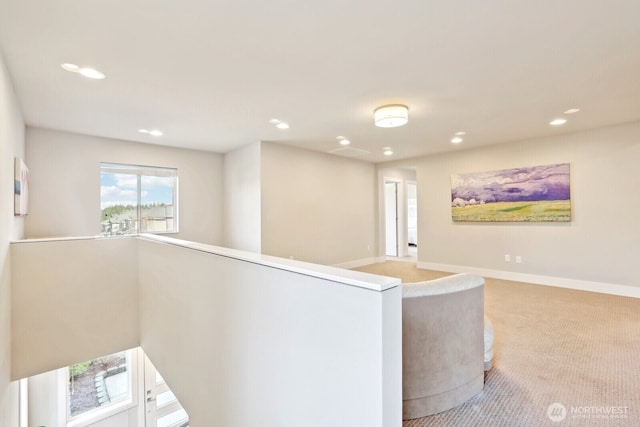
[(442, 343)]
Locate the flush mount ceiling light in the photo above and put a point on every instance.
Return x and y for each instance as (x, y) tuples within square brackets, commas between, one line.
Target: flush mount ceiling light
[(456, 140), (558, 122), (152, 132), (85, 71), (391, 116)]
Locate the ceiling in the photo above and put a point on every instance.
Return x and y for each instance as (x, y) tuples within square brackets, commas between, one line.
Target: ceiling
[(211, 74)]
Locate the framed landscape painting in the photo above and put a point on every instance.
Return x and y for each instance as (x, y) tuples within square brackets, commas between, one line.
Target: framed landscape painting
[(532, 194), (21, 188)]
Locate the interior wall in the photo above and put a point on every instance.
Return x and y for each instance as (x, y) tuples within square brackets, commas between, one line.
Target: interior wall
[(317, 207), (65, 184), (600, 244), (81, 302), (11, 146), (263, 346), (242, 198)]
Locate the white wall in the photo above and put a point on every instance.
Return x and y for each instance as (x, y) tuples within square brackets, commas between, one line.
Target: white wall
[(65, 184), (11, 145), (317, 207), (243, 339), (242, 343), (81, 302), (599, 245), (242, 198)]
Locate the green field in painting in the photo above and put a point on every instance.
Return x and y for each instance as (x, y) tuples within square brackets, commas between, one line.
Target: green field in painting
[(546, 211)]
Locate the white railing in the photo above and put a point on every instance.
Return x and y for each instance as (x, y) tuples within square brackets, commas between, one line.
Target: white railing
[(243, 339)]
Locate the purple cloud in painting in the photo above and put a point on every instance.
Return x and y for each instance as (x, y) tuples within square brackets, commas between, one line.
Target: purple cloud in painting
[(539, 183)]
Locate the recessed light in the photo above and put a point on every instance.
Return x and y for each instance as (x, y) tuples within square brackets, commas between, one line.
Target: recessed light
[(274, 121), (558, 122), (70, 67), (344, 141), (91, 73), (572, 110), (388, 152), (461, 133), (153, 132), (85, 71), (456, 140), (282, 125), (340, 137)]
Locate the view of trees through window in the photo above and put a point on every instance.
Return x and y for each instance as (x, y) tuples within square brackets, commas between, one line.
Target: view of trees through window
[(98, 382), (137, 199)]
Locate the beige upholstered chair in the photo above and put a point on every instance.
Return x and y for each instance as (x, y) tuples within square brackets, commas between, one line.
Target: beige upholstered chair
[(442, 343)]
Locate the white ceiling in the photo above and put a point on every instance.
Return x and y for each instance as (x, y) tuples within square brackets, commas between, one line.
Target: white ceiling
[(211, 73)]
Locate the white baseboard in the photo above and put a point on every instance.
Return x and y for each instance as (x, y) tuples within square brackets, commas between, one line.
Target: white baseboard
[(357, 263), (581, 285)]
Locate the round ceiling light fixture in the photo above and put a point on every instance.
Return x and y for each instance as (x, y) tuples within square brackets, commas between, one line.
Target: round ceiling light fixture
[(391, 116)]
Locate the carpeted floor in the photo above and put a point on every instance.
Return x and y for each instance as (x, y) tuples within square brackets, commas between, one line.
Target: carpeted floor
[(553, 345)]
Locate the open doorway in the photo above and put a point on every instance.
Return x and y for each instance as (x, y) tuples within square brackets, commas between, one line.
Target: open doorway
[(391, 218), (412, 218), (398, 213)]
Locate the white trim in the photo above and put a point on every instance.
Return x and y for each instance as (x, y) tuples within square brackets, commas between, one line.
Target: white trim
[(357, 263), (408, 258), (559, 282), (95, 415), (23, 402)]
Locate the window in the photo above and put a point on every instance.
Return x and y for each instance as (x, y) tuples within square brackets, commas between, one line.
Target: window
[(138, 199), (98, 385)]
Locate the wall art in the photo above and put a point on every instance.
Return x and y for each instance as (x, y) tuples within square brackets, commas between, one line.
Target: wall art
[(532, 194), (21, 188)]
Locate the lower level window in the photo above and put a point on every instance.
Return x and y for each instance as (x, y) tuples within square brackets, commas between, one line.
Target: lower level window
[(99, 383)]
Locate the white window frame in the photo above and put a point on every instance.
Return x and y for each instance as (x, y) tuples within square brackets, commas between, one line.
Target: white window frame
[(139, 171), (94, 415)]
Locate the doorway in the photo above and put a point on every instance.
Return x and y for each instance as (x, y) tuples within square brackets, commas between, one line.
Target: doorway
[(162, 408), (391, 218), (412, 218)]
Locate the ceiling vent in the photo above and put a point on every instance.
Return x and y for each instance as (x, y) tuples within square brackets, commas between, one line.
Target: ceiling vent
[(349, 152)]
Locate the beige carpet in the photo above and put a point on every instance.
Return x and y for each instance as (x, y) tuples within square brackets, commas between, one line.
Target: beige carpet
[(553, 345)]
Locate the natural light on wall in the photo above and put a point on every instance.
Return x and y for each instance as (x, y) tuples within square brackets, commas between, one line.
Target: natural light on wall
[(138, 199)]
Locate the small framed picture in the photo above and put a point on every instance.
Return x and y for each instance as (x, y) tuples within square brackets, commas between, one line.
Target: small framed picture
[(21, 188)]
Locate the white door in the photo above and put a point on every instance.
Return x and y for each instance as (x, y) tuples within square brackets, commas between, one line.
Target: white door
[(391, 217), (162, 408), (412, 215)]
